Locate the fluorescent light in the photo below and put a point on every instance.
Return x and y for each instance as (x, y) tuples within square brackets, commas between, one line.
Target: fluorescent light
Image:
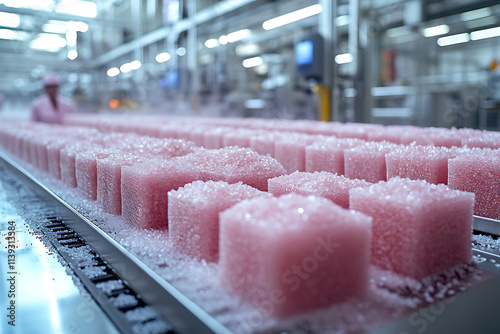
[(13, 35), (475, 14), (252, 62), (223, 40), (453, 39), (247, 49), (292, 17), (7, 34), (47, 5), (398, 32), (343, 58), (238, 35), (9, 20), (113, 72), (211, 43), (72, 54), (55, 28), (125, 68), (48, 42), (71, 37), (135, 65), (486, 33), (436, 30), (342, 20), (77, 26), (77, 7), (162, 57), (485, 21), (255, 104), (181, 51), (61, 27)]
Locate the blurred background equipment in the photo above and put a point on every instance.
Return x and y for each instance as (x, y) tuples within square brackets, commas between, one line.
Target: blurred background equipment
[(414, 62)]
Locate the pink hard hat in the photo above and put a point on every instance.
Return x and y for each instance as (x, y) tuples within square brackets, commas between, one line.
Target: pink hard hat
[(51, 80)]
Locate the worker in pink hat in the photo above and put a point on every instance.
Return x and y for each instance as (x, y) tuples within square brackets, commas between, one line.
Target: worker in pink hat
[(51, 108)]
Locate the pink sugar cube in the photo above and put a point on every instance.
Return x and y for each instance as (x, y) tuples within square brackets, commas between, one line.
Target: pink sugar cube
[(193, 215), (330, 186), (184, 132), (418, 162), (212, 139), (238, 137), (40, 148), (392, 133), (264, 143), (327, 154), (86, 171), (54, 156), (483, 139), (417, 136), (433, 136), (145, 186), (234, 164), (314, 127), (109, 180), (168, 131), (419, 229), (197, 135), (307, 127), (31, 149), (151, 130), (350, 130), (445, 137), (67, 161), (290, 151), (478, 172), (294, 254), (367, 162), (168, 148)]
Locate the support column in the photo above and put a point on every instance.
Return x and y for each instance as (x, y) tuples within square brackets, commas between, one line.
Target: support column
[(356, 70), (328, 30), (192, 57)]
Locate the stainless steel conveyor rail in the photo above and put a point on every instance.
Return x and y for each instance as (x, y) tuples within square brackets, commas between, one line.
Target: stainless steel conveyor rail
[(173, 306)]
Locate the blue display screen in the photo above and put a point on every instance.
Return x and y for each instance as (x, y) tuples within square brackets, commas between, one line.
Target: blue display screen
[(304, 53)]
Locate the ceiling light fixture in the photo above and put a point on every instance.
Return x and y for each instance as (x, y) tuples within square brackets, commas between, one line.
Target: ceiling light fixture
[(163, 57), (343, 58), (238, 35), (453, 39), (476, 14), (113, 72), (486, 33), (292, 17), (252, 62), (9, 20), (77, 7), (211, 43), (436, 30)]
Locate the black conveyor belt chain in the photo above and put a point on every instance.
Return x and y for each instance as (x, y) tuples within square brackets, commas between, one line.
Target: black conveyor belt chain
[(116, 313)]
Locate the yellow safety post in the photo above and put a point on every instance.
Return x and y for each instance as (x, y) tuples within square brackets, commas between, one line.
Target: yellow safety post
[(323, 102)]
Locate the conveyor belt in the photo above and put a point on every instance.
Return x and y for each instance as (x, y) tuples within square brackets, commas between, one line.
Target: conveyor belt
[(74, 230), (183, 315)]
